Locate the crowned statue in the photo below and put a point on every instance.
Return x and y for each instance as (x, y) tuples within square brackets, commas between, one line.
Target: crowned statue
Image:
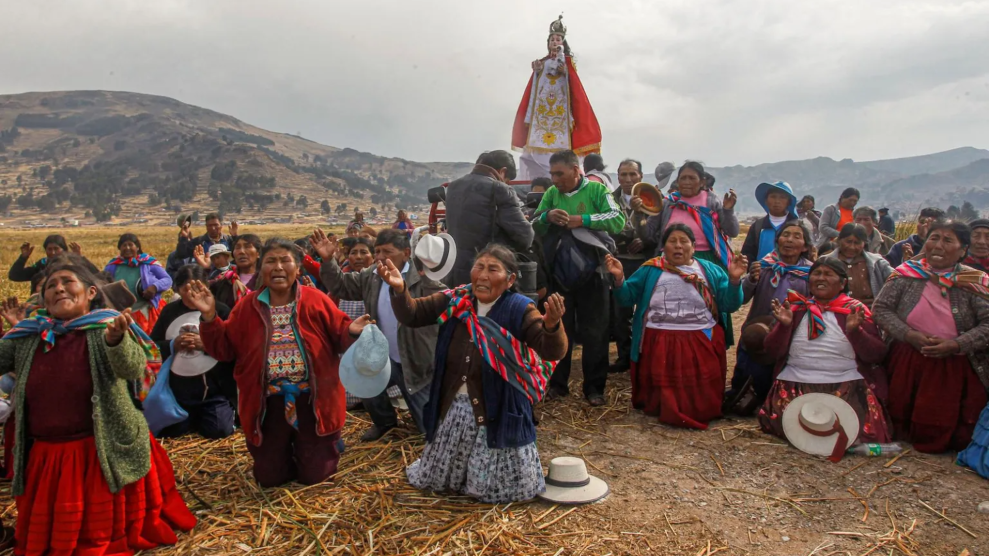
[(555, 114)]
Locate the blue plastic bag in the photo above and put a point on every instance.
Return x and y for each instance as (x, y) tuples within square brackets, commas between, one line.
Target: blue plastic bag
[(161, 409)]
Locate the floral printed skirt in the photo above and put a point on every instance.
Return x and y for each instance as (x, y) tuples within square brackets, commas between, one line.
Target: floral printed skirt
[(459, 460), (873, 421)]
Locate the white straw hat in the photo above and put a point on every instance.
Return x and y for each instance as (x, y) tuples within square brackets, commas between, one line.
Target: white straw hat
[(569, 483), (811, 423), (437, 253)]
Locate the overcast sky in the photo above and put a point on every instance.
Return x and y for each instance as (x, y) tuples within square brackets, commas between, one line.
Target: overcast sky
[(723, 81)]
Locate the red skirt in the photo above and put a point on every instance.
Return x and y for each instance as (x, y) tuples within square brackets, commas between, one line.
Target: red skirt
[(68, 509), (680, 376), (934, 402), (872, 416)]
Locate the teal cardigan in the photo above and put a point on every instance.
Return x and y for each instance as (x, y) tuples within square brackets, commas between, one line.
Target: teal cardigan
[(637, 290), (120, 431)]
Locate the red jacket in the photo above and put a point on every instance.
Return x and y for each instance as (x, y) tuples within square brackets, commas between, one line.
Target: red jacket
[(245, 338), (870, 350)]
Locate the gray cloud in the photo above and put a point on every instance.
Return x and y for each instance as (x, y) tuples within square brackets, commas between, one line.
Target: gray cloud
[(722, 81)]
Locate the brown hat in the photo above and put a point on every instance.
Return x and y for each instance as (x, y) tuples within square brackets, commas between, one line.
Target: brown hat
[(754, 338), (182, 219), (117, 295)]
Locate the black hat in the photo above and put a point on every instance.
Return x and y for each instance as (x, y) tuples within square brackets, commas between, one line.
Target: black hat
[(884, 209), (979, 223)]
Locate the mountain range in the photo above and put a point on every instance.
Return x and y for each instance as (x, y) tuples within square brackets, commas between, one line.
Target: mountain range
[(131, 157)]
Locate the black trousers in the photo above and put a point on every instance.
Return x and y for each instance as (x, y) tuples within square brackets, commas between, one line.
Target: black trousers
[(211, 413), (621, 318), (380, 409), (586, 321)]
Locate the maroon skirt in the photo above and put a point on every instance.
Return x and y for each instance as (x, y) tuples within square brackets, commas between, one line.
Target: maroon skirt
[(934, 402), (872, 417), (680, 376), (68, 509)]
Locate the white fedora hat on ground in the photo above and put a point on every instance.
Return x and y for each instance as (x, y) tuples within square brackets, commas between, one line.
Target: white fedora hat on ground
[(437, 253), (569, 483), (821, 425), (365, 367)]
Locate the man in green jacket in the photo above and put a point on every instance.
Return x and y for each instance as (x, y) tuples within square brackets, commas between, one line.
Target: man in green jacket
[(574, 202)]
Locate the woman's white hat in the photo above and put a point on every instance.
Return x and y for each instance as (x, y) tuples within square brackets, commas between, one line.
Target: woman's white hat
[(569, 483), (821, 425), (437, 253), (365, 367)]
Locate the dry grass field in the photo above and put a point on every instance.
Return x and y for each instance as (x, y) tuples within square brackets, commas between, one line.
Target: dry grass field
[(728, 490)]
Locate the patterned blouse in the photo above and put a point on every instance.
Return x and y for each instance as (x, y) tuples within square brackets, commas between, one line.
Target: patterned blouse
[(285, 358)]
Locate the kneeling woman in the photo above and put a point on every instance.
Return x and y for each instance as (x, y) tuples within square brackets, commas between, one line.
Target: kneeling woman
[(88, 476), (827, 344), (203, 386), (678, 345), (286, 341), (479, 424), (937, 312)]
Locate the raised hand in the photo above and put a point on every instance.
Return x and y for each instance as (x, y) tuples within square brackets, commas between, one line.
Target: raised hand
[(357, 326), (234, 228), (907, 251), (555, 308), (75, 248), (186, 231), (855, 319), (730, 199), (390, 275), (202, 299), (738, 267), (12, 311), (306, 281), (119, 326), (940, 347), (615, 268), (755, 272), (26, 250), (324, 246), (782, 312), (200, 255), (635, 203), (190, 341)]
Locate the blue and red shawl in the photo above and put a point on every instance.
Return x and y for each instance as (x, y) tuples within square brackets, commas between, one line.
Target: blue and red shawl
[(708, 222)]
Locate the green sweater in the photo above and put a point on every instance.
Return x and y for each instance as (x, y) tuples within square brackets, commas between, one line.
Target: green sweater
[(120, 430), (591, 199)]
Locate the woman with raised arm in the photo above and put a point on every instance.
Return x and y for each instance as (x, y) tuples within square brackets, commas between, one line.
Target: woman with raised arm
[(678, 338), (828, 343), (494, 358), (936, 310), (286, 341), (82, 451)]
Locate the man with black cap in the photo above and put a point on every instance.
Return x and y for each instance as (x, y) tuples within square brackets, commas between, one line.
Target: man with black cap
[(978, 251), (886, 224)]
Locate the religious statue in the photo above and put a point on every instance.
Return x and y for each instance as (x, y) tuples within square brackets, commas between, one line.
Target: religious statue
[(555, 114)]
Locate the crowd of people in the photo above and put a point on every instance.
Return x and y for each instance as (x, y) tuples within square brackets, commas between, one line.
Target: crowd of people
[(890, 340)]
